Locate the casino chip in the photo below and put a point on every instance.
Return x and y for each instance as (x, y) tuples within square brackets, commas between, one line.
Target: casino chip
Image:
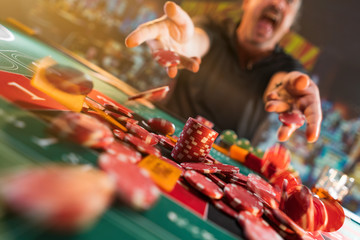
[(123, 152), (228, 138), (141, 146), (142, 133), (133, 184), (205, 121), (255, 228), (68, 79), (154, 95), (60, 197), (263, 190), (166, 58), (203, 184), (299, 206), (119, 109), (221, 205), (161, 126), (199, 167), (294, 118), (241, 199), (82, 129)]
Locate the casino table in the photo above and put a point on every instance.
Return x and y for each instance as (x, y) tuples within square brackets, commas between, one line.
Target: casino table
[(24, 141)]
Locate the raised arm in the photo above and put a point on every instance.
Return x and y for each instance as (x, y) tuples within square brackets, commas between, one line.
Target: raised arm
[(174, 31), (287, 91)]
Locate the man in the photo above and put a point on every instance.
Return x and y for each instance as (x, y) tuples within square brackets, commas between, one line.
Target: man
[(243, 71)]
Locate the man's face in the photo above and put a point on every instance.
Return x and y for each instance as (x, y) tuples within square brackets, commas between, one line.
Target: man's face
[(265, 22)]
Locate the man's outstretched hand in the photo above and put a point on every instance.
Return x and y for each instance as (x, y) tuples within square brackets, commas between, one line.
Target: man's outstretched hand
[(295, 91), (173, 31)]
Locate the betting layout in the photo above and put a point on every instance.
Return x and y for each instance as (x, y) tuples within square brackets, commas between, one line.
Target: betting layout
[(138, 158)]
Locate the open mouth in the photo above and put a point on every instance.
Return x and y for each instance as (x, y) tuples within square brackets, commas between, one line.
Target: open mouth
[(271, 17)]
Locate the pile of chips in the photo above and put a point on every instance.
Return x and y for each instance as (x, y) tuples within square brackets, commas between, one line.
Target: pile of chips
[(195, 142)]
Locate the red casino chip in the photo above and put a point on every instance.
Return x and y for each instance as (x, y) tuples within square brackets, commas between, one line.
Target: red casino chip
[(141, 146), (221, 205), (60, 197), (165, 142), (155, 94), (255, 226), (203, 184), (68, 79), (254, 162), (142, 133), (263, 190), (320, 215), (336, 215), (199, 167), (225, 168), (291, 176), (121, 118), (217, 180), (236, 177), (204, 121), (283, 222), (161, 126), (82, 129), (119, 134), (119, 109), (241, 199), (276, 158), (292, 118), (133, 184), (299, 207), (166, 58), (123, 152)]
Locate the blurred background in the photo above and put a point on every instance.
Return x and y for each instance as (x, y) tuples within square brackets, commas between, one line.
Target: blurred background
[(325, 41)]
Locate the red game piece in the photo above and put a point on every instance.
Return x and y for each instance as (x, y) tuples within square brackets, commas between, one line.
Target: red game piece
[(199, 167), (68, 79), (123, 152), (292, 118), (119, 134), (142, 133), (133, 184), (263, 190), (336, 215), (165, 142), (59, 197), (225, 168), (221, 205), (203, 184), (141, 146), (119, 109), (290, 175), (155, 94), (161, 126), (217, 180), (166, 58), (255, 226), (205, 121), (320, 214), (242, 199), (276, 158), (121, 118), (299, 207), (82, 129)]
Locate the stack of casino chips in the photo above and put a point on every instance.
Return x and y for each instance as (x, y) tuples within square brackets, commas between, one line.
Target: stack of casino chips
[(195, 142)]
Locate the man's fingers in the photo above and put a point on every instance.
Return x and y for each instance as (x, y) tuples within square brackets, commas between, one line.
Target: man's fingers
[(298, 82), (191, 64), (284, 132), (184, 25), (277, 106), (146, 32)]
